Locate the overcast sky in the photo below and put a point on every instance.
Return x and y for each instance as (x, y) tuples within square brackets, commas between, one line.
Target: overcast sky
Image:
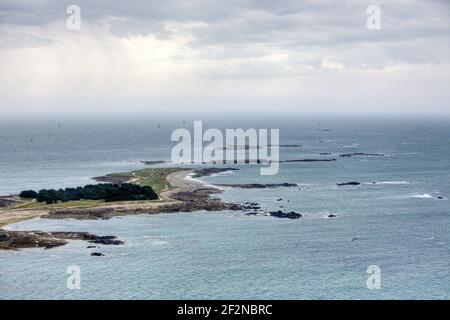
[(191, 55)]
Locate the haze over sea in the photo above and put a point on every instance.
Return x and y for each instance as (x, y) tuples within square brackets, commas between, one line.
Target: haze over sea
[(397, 219)]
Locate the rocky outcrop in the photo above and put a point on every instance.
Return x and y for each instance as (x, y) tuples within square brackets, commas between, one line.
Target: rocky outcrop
[(259, 185), (7, 201), (352, 183), (210, 171), (97, 254), (291, 146), (309, 160), (250, 206), (14, 240), (82, 213), (287, 215), (348, 155), (152, 162)]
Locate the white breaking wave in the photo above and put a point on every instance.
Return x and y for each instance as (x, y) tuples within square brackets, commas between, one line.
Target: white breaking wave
[(422, 196), (437, 196), (350, 145), (427, 239), (190, 177), (160, 242), (389, 182), (223, 173)]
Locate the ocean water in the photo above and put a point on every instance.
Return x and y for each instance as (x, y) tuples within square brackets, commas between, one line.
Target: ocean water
[(397, 223)]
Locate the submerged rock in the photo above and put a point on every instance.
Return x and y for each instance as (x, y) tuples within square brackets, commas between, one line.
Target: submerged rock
[(252, 213)]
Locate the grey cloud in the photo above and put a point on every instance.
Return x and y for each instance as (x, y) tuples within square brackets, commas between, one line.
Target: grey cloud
[(232, 28), (23, 40)]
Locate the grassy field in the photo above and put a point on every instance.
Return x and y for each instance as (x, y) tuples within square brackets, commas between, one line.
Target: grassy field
[(155, 178), (152, 177)]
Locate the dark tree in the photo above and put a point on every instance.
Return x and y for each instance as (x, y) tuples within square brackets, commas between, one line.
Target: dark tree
[(28, 194), (102, 191)]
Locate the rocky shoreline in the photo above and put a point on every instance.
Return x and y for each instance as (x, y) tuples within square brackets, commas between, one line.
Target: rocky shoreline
[(82, 214), (15, 240)]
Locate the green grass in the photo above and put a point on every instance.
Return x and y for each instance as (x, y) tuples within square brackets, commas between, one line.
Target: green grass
[(152, 177), (155, 178), (128, 175)]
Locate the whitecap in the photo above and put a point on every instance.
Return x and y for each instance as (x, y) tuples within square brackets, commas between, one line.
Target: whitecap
[(160, 242), (422, 196), (191, 177), (350, 145), (427, 239), (223, 173), (389, 182)]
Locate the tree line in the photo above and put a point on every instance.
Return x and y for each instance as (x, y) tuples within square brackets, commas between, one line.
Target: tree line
[(102, 191)]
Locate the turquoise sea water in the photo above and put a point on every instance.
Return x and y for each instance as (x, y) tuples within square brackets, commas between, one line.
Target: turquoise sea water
[(397, 223)]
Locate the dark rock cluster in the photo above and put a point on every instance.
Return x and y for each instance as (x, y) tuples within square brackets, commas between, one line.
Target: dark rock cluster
[(349, 155), (14, 240), (287, 215), (260, 185), (352, 183)]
